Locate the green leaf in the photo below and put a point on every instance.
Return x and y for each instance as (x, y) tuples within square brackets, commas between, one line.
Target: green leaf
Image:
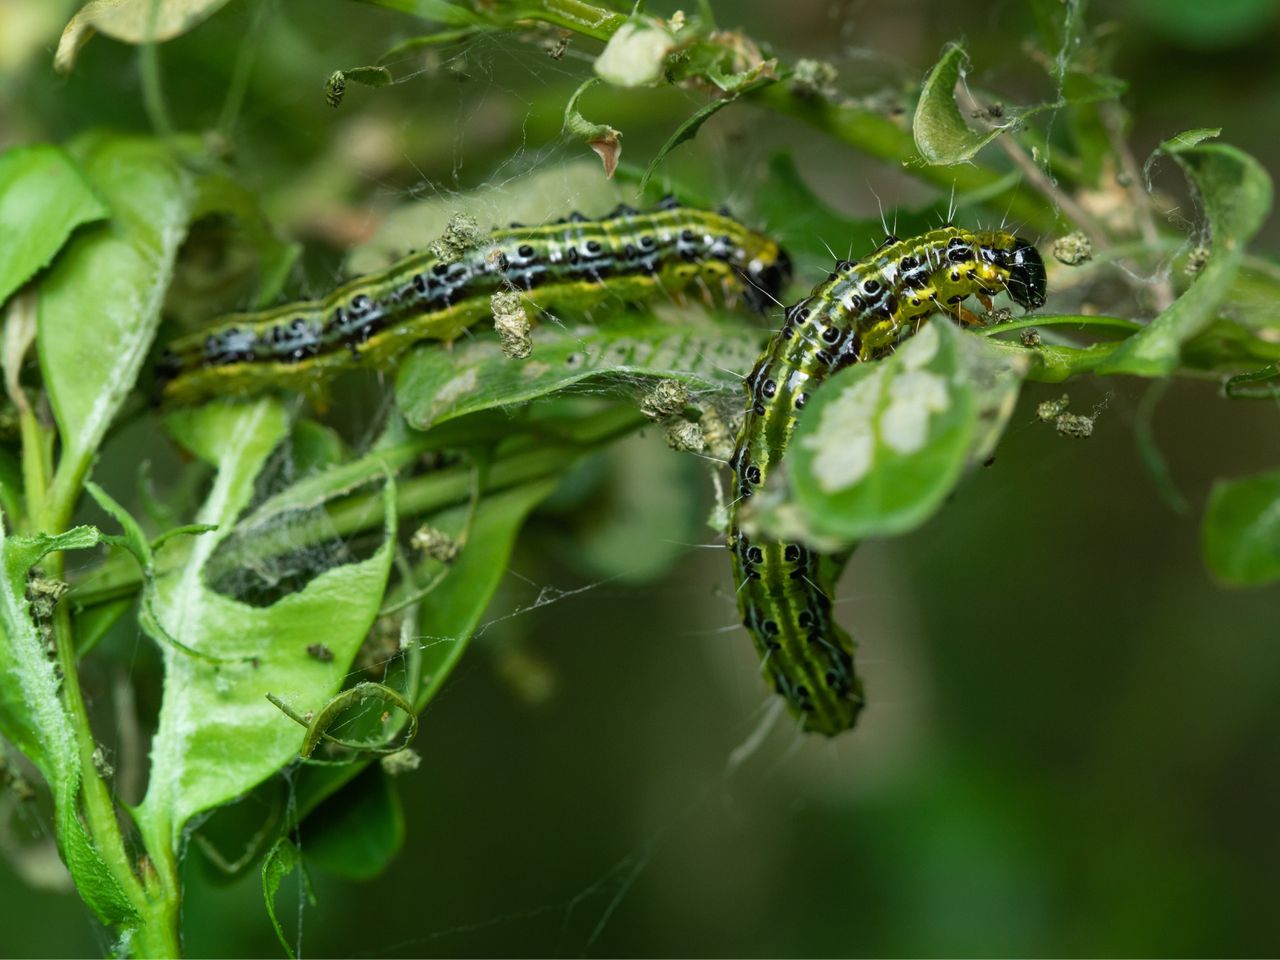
[(32, 715), (645, 511), (282, 860), (452, 14), (1205, 26), (316, 447), (1241, 531), (35, 719), (356, 833), (942, 135), (100, 305), (369, 76), (133, 21), (689, 129), (448, 615), (218, 735), (882, 444), (1235, 192), (276, 255), (133, 540), (43, 197), (449, 618), (1261, 384), (436, 385), (94, 881)]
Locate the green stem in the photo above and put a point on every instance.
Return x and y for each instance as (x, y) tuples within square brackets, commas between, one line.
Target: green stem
[(584, 18), (526, 458), (156, 933), (152, 87), (243, 69)]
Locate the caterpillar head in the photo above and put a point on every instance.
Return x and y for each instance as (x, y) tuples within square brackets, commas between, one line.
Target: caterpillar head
[(1026, 282), (767, 275)]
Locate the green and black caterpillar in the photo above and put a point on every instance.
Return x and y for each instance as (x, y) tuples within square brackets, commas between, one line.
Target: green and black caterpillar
[(574, 264), (859, 313)]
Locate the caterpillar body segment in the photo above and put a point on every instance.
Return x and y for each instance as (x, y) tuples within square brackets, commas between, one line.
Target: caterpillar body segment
[(575, 264), (859, 313)]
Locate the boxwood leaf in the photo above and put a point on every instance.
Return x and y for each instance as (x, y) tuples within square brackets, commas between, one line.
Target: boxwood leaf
[(435, 385), (43, 197), (1241, 531), (133, 21), (1235, 192), (882, 444), (356, 833), (100, 305), (942, 135), (218, 736)]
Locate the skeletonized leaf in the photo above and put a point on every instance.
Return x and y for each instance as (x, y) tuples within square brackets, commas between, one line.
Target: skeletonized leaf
[(882, 444), (436, 385), (1235, 192), (207, 707)]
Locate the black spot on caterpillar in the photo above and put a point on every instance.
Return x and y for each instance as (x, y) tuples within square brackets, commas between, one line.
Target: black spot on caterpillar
[(572, 264), (857, 314)]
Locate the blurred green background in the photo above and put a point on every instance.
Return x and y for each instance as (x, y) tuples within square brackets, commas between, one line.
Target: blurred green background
[(1070, 746)]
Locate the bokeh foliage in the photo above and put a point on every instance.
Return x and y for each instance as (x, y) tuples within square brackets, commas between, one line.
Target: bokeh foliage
[(1068, 747)]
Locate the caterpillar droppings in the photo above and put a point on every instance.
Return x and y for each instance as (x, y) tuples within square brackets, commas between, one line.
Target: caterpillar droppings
[(859, 313), (573, 264)]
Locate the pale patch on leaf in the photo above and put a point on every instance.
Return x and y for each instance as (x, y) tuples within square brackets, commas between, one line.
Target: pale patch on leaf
[(635, 56)]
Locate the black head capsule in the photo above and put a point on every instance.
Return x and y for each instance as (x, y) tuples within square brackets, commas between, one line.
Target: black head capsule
[(1027, 280), (766, 280)]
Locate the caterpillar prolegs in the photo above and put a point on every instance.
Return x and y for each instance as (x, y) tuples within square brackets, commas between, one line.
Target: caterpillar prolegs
[(574, 264), (860, 312)]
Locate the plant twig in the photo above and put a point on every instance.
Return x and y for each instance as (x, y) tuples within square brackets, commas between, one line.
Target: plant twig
[(1038, 178), (1162, 289)]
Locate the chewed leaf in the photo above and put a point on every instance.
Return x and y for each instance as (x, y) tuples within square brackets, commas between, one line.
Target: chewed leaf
[(436, 385), (263, 650), (45, 735), (1241, 530), (35, 718), (1235, 192), (600, 137), (882, 444), (942, 135)]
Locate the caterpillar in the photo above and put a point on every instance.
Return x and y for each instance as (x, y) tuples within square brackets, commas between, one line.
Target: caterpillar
[(574, 263), (859, 313)]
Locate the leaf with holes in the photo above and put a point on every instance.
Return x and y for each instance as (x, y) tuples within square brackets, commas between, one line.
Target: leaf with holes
[(1235, 192), (881, 445), (218, 735)]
